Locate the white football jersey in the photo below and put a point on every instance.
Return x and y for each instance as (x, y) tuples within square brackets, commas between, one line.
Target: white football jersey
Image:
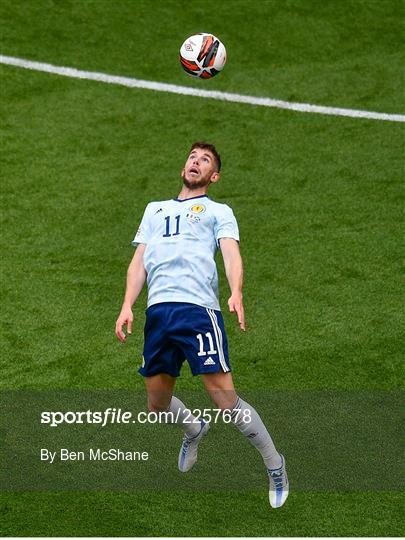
[(182, 237)]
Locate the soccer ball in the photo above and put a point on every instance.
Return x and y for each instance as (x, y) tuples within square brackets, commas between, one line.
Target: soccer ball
[(202, 55)]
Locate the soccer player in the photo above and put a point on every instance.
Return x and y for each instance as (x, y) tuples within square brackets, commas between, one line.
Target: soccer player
[(176, 244)]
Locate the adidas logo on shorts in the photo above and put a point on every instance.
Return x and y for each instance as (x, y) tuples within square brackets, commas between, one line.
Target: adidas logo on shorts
[(209, 362)]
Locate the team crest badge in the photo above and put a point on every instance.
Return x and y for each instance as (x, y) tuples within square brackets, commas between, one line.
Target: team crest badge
[(197, 208)]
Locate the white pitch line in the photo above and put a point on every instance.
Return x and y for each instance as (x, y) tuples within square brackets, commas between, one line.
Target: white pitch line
[(189, 91)]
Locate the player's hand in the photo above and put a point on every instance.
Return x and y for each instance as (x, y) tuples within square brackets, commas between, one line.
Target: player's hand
[(236, 306), (126, 317)]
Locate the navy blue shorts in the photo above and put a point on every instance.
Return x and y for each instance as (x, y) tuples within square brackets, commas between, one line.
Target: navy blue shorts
[(176, 331)]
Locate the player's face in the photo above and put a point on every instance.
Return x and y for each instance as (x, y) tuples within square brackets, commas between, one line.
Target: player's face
[(200, 169)]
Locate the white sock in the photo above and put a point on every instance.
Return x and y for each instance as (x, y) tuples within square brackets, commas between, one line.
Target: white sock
[(248, 421), (183, 417)]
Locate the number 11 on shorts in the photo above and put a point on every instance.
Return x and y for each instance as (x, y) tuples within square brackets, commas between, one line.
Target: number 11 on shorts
[(210, 342)]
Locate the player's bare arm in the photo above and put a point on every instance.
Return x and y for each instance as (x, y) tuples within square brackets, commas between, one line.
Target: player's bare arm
[(234, 273), (136, 277)]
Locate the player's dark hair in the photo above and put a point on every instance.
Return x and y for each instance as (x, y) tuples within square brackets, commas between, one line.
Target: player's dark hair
[(211, 148)]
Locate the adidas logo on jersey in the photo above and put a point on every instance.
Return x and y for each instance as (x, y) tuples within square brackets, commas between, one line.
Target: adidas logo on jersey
[(209, 362)]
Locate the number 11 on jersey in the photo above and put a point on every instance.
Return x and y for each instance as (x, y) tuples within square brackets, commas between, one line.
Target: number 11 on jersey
[(167, 233)]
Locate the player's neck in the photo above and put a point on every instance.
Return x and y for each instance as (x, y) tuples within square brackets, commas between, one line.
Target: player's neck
[(187, 193)]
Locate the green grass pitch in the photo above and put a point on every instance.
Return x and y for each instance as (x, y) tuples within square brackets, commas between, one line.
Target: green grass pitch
[(319, 200)]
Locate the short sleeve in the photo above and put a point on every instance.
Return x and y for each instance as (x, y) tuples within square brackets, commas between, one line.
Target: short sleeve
[(226, 225), (143, 234)]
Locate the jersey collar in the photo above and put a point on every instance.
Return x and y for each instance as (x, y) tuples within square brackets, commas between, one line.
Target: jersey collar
[(191, 198)]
